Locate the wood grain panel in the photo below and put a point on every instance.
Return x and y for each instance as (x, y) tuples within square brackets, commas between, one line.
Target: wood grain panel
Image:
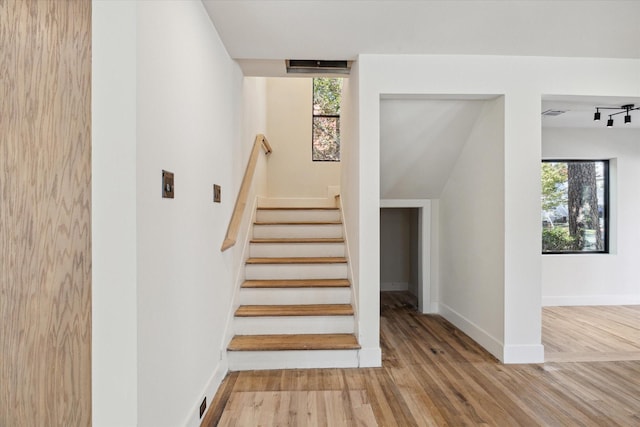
[(295, 310), (308, 283), (293, 342), (45, 213)]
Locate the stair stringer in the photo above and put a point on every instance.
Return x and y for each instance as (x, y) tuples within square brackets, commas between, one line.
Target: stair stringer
[(350, 275), (239, 279)]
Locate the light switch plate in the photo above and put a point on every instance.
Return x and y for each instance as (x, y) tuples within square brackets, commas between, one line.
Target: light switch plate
[(167, 184), (216, 193)]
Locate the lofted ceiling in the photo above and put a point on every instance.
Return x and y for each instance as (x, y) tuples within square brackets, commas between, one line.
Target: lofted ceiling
[(433, 132), (261, 34)]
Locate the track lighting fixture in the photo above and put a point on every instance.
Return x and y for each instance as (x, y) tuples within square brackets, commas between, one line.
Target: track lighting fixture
[(623, 109)]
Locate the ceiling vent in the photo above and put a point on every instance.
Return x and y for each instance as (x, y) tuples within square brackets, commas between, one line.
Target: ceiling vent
[(553, 113), (313, 66)]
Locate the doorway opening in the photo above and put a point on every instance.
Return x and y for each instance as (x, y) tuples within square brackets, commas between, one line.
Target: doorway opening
[(399, 253)]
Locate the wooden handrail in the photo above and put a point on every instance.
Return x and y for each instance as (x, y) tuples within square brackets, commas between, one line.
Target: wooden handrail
[(241, 200)]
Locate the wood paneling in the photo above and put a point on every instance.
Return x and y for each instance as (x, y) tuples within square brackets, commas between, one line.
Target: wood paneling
[(45, 213), (434, 375)]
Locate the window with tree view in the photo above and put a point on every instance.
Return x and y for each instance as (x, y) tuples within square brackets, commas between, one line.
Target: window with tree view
[(326, 119), (575, 204)]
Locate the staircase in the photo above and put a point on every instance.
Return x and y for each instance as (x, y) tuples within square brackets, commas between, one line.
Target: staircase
[(295, 304)]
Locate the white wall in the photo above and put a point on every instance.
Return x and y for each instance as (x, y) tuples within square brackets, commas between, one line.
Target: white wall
[(292, 173), (599, 279), (166, 96), (114, 245), (522, 81), (472, 233)]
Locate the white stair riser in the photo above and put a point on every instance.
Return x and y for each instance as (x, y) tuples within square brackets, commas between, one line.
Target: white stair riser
[(302, 230), (274, 250), (295, 359), (295, 296), (297, 215), (295, 271), (293, 325)]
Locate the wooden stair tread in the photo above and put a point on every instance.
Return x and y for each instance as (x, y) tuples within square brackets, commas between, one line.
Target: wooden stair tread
[(300, 240), (298, 260), (309, 283), (294, 310), (293, 342), (297, 208), (298, 223)]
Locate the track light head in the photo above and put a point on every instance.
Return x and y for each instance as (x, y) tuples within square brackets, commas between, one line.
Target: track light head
[(624, 109)]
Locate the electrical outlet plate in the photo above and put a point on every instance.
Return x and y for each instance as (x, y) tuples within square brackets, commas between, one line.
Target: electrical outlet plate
[(167, 185), (203, 406)]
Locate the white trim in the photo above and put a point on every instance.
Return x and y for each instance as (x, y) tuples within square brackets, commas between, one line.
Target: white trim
[(523, 354), (556, 301), (209, 391), (354, 297), (475, 332), (240, 277), (425, 300), (370, 357)]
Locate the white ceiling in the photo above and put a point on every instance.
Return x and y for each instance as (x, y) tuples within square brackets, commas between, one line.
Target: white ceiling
[(262, 33)]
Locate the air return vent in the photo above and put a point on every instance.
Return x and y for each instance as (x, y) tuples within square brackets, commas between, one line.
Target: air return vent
[(314, 66), (553, 113)]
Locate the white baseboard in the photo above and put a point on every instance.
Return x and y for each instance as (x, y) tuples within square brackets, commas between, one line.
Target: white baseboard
[(209, 392), (370, 357), (523, 354), (479, 335), (394, 286), (555, 301)]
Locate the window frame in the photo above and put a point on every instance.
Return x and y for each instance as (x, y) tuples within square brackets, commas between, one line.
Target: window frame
[(606, 206), (313, 117)]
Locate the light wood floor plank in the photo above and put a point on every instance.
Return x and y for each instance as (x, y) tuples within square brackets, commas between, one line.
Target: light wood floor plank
[(433, 374)]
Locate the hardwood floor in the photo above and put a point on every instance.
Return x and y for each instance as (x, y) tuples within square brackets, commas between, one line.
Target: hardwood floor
[(432, 375), (591, 334)]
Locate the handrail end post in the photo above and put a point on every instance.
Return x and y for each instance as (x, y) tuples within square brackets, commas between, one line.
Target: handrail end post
[(227, 244)]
